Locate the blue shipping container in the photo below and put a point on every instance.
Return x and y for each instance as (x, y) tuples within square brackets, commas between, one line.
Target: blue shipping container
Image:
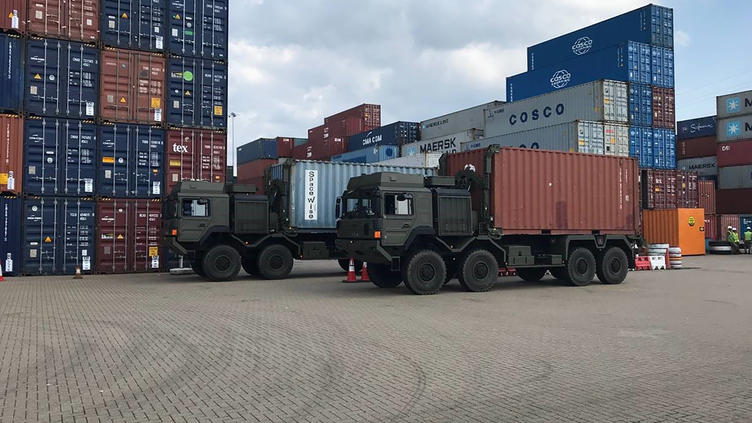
[(134, 24), (198, 28), (62, 79), (60, 157), (630, 62), (196, 92), (640, 105), (130, 161), (397, 133), (375, 154), (11, 73), (262, 148), (745, 221), (696, 128), (10, 235), (58, 235), (648, 25), (662, 67), (641, 146), (664, 148)]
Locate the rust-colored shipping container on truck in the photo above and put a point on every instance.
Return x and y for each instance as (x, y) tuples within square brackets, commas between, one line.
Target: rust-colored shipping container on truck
[(128, 235), (11, 154), (687, 195), (132, 86), (695, 147), (658, 189), (13, 15), (706, 196), (195, 154), (554, 192), (76, 20), (683, 228)]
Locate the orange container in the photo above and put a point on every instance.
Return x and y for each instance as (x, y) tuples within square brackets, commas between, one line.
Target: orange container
[(683, 228)]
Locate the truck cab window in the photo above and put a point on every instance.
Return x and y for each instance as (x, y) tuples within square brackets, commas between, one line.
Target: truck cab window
[(398, 205), (197, 207)]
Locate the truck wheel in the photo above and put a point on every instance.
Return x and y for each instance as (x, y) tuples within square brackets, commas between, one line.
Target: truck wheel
[(383, 277), (478, 271), (221, 263), (250, 266), (612, 266), (559, 273), (424, 272), (274, 262), (345, 265), (581, 267), (532, 274)]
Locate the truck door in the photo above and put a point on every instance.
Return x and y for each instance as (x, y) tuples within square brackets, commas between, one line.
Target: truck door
[(195, 218), (399, 218)]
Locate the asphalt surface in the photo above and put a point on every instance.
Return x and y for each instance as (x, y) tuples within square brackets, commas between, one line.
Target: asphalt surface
[(664, 346)]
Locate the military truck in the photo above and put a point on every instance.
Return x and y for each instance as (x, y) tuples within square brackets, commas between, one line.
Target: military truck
[(223, 227), (574, 215)]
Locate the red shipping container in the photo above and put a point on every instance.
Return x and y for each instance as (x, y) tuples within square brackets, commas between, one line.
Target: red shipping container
[(734, 201), (724, 221), (13, 15), (711, 227), (129, 235), (659, 189), (737, 153), (258, 182), (687, 195), (302, 152), (254, 169), (369, 114), (76, 20), (706, 196), (664, 108), (285, 146), (195, 154), (696, 147), (11, 154), (540, 191), (132, 86)]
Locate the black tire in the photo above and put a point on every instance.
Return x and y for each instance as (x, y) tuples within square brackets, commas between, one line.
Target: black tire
[(221, 263), (612, 266), (581, 267), (532, 274), (478, 271), (196, 266), (560, 273), (383, 277), (274, 262), (250, 266), (345, 265), (424, 272)]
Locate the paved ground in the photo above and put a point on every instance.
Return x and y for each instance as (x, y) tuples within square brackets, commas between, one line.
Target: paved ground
[(665, 346)]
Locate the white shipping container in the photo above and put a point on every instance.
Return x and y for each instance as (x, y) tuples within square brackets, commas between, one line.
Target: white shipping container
[(704, 166), (446, 144), (616, 139), (452, 123), (604, 100), (734, 128), (734, 104), (417, 160)]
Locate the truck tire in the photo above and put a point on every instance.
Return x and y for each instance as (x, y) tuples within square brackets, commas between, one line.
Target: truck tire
[(250, 266), (560, 273), (275, 262), (424, 272), (383, 277), (478, 271), (345, 265), (221, 263), (581, 267), (533, 274), (612, 266)]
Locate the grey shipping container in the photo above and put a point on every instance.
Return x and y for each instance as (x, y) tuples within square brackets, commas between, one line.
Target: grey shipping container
[(735, 177), (616, 139), (704, 166), (734, 104), (735, 128), (416, 160), (604, 100), (452, 123), (450, 143), (313, 187)]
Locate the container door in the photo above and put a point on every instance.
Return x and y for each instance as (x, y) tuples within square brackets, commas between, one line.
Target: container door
[(182, 27), (78, 141), (116, 98), (151, 25), (181, 152), (213, 96), (44, 70), (78, 229), (40, 236), (46, 18), (212, 156), (114, 156), (149, 87), (11, 73), (10, 235), (113, 233), (181, 91), (146, 162), (83, 20), (41, 151), (117, 23), (147, 235), (213, 29), (82, 81)]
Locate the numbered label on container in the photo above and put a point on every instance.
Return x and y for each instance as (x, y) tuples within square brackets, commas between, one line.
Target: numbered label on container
[(86, 263)]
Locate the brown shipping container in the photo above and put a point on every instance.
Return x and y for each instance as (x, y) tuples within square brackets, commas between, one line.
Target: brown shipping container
[(540, 191), (128, 235), (69, 19), (369, 114), (737, 153), (711, 227), (254, 169), (302, 152), (706, 196), (285, 146), (132, 87), (664, 108), (696, 147), (195, 154), (11, 154), (13, 15), (659, 189), (687, 196), (724, 221), (734, 201)]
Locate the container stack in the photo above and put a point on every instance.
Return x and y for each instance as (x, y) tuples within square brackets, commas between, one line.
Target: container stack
[(379, 144), (447, 133), (734, 149), (256, 156), (331, 138)]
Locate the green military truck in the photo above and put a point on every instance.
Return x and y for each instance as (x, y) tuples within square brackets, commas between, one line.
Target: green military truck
[(574, 215)]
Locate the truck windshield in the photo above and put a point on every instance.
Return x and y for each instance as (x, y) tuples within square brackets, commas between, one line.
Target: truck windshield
[(361, 205)]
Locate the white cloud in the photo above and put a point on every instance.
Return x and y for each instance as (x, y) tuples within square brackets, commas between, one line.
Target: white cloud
[(681, 38)]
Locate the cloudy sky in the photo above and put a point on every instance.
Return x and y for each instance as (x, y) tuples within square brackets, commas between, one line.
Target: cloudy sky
[(292, 62)]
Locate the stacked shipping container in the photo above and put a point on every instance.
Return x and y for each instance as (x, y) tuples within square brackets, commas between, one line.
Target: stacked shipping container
[(734, 152)]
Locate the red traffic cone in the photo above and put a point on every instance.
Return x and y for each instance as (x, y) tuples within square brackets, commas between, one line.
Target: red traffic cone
[(364, 273), (1, 272), (78, 273), (351, 272)]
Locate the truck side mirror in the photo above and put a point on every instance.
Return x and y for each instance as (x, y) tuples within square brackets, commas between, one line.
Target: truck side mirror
[(338, 208)]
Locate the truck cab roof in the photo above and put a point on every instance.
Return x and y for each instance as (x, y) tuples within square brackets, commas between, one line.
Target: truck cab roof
[(204, 187), (386, 180)]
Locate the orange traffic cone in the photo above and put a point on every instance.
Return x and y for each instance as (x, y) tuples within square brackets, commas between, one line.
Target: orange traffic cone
[(351, 272), (364, 273), (1, 272), (78, 273)]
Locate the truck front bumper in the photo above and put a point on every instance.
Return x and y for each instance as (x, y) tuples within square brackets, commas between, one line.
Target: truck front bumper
[(368, 250)]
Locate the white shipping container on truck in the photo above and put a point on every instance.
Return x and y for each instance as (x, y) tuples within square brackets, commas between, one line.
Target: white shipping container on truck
[(417, 160), (452, 123), (445, 144), (603, 100)]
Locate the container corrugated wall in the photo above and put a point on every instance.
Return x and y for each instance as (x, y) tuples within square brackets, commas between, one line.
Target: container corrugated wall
[(704, 166), (198, 28), (132, 86), (696, 147), (735, 177), (659, 189), (196, 92), (130, 161), (706, 194), (683, 228), (397, 133), (128, 235), (195, 154), (11, 73), (640, 104), (736, 153), (134, 24), (473, 118), (579, 137), (11, 154), (726, 220), (735, 128), (737, 104), (373, 154), (69, 19), (446, 144), (687, 196), (10, 235), (695, 128), (664, 114), (13, 15)]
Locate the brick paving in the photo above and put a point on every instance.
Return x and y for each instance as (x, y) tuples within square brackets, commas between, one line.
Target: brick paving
[(663, 347)]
